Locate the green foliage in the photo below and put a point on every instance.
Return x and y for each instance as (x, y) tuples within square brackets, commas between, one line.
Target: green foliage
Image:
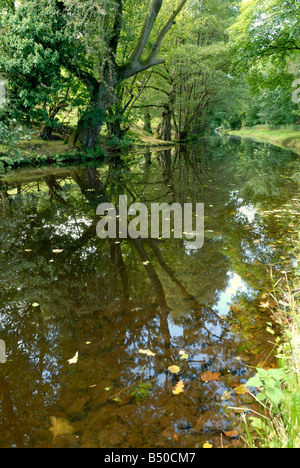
[(269, 382)]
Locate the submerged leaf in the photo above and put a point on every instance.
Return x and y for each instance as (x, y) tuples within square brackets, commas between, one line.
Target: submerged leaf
[(60, 426)]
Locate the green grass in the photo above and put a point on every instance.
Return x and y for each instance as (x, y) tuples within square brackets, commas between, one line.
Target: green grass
[(285, 138)]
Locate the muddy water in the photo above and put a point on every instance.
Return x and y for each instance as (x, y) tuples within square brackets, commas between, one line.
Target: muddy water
[(67, 294)]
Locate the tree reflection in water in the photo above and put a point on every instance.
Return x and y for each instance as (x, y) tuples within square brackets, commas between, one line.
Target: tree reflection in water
[(109, 299)]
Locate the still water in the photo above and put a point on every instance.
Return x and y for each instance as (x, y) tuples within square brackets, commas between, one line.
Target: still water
[(76, 311)]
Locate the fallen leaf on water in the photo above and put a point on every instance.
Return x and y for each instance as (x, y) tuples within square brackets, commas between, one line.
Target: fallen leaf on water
[(179, 388), (147, 352), (57, 251), (35, 304), (241, 390), (74, 360), (184, 355), (231, 434), (208, 376), (60, 426), (207, 445), (174, 369)]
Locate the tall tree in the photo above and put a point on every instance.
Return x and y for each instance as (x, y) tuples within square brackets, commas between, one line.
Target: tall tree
[(113, 67)]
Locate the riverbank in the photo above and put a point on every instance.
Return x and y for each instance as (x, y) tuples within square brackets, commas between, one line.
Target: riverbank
[(288, 139)]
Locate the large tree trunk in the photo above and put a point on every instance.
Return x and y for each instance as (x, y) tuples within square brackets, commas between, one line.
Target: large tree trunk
[(164, 131), (89, 126), (103, 94)]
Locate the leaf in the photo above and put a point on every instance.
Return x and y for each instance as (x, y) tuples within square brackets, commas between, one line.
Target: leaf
[(231, 434), (147, 352), (184, 355), (179, 388), (57, 251), (207, 445), (209, 376), (74, 360), (174, 369), (241, 390), (35, 304), (60, 426)]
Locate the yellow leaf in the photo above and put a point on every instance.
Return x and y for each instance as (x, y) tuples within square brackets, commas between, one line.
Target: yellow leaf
[(60, 426), (174, 369), (147, 352), (179, 388), (74, 360), (241, 390), (184, 355), (207, 445)]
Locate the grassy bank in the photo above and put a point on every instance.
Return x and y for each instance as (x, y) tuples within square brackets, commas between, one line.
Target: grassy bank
[(288, 139)]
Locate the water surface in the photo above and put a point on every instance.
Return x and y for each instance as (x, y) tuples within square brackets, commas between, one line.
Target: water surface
[(65, 291)]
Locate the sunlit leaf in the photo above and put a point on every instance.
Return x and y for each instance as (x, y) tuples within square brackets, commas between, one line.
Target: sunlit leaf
[(179, 388), (74, 360), (147, 352), (207, 445), (241, 390)]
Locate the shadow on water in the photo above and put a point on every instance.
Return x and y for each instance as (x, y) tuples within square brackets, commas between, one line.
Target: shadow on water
[(63, 291)]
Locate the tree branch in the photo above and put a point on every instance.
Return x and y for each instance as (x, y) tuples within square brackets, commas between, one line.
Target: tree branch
[(114, 42), (154, 10), (167, 26)]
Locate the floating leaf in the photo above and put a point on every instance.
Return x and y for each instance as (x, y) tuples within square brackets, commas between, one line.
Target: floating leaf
[(35, 304), (57, 251), (241, 390), (208, 376), (74, 360), (231, 434), (147, 352), (184, 355), (174, 369), (207, 445), (60, 426), (179, 388)]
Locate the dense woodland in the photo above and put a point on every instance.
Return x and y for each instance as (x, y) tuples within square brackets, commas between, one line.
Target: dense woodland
[(179, 68)]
